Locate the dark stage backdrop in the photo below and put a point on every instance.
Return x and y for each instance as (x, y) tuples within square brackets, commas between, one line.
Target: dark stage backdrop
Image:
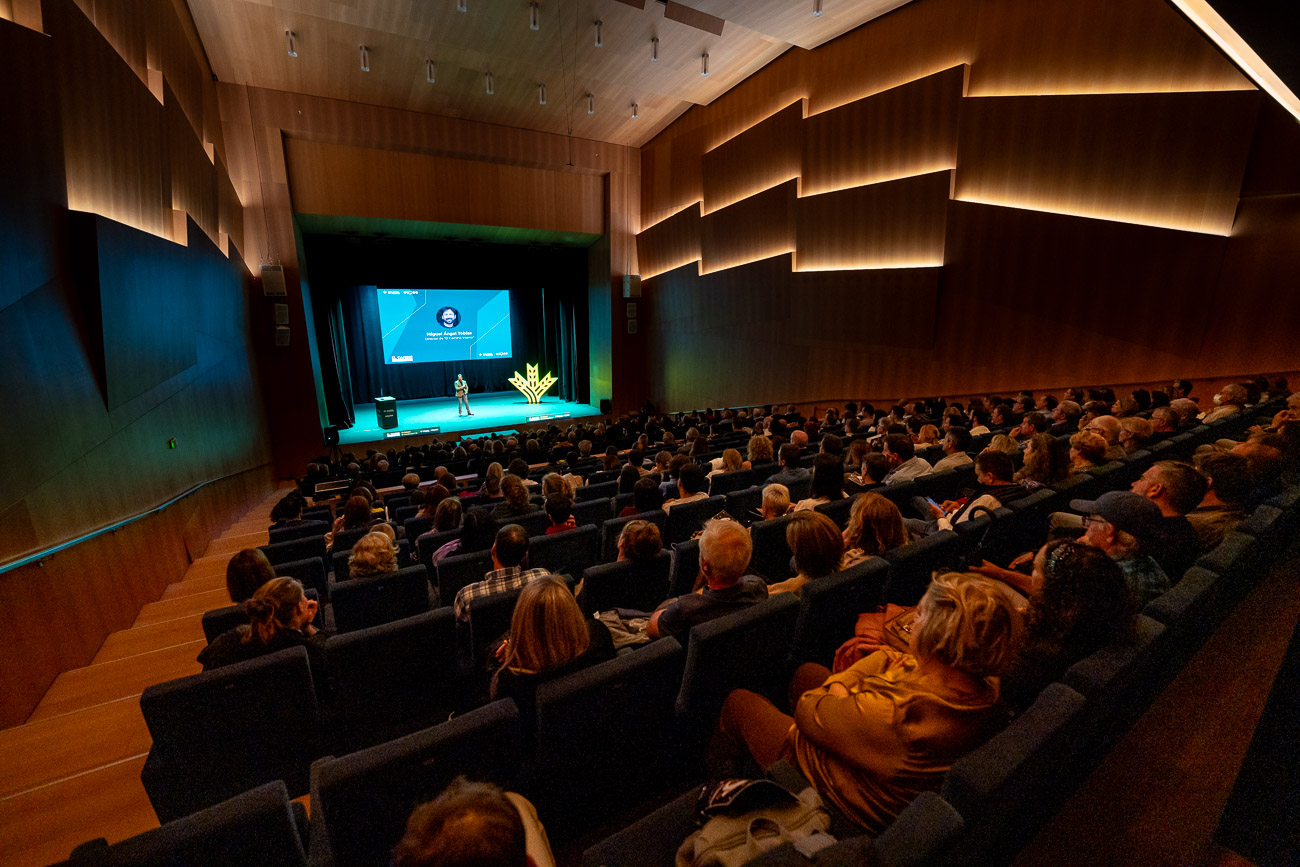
[(548, 315)]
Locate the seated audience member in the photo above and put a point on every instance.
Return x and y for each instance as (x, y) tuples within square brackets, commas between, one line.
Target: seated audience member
[(1109, 427), (759, 452), (979, 417), (1188, 413), (903, 462), (553, 484), (559, 511), (1003, 443), (1032, 423), (730, 462), (287, 512), (790, 473), (827, 482), (627, 478), (1044, 464), (509, 570), (1228, 484), (492, 481), (410, 482), (279, 617), (515, 500), (995, 487), (1134, 432), (246, 572), (955, 444), (1065, 418), (873, 737), (1227, 402), (645, 498), (668, 487), (928, 435), (548, 638), (477, 533), (857, 453), (725, 549), (1124, 525), (474, 825), (356, 515), (1269, 472), (1079, 603), (1124, 407), (519, 468), (875, 468), (690, 487), (434, 497), (372, 555), (639, 541), (447, 515), (1177, 488), (1087, 450), (818, 548), (776, 501), (875, 526)]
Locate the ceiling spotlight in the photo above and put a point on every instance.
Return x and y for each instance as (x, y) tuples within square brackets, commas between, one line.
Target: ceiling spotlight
[(430, 71), (591, 104), (704, 65), (817, 8), (654, 49), (600, 33), (487, 80), (461, 7), (365, 59), (541, 94), (289, 44), (634, 112)]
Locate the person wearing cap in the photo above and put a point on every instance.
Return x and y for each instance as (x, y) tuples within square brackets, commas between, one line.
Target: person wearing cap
[(1123, 524)]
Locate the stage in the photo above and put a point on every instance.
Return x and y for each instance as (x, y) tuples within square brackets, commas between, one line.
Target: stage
[(492, 412)]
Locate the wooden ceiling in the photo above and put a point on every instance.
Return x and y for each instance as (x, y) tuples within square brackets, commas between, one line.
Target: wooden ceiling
[(245, 43)]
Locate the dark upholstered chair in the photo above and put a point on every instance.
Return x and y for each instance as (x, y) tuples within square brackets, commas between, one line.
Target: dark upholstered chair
[(570, 552), (378, 599), (687, 519), (636, 585), (830, 608), (610, 530)]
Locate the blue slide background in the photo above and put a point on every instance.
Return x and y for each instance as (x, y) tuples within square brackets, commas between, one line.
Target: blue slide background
[(408, 316)]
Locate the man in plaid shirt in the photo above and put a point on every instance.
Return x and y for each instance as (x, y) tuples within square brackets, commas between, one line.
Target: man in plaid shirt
[(510, 570)]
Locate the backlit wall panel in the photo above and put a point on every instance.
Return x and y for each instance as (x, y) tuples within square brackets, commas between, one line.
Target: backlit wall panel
[(758, 227), (758, 159)]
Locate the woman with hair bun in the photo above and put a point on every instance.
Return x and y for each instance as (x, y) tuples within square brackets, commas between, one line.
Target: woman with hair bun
[(279, 616)]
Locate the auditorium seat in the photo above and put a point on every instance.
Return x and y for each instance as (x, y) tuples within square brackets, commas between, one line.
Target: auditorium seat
[(687, 519), (685, 568), (830, 607), (345, 539), (619, 502), (489, 620), (304, 530), (799, 490), (837, 510), (225, 731), (427, 543), (458, 570), (771, 557), (726, 483), (938, 486), (1119, 683), (392, 679), (298, 549), (534, 522), (742, 505), (597, 490), (260, 826), (360, 802), (610, 530), (309, 572), (415, 527), (912, 565), (636, 585), (319, 513), (1230, 561), (594, 512), (569, 553), (403, 514), (220, 620), (339, 559), (377, 599), (1190, 612)]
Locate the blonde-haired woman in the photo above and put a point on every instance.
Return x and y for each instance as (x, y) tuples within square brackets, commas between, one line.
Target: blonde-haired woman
[(759, 452), (548, 637), (372, 555), (818, 549), (873, 737), (279, 617), (875, 526)]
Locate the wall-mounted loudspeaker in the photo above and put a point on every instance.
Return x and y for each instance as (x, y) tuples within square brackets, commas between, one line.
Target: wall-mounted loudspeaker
[(631, 285), (281, 335), (606, 408), (331, 435), (273, 281), (281, 314)]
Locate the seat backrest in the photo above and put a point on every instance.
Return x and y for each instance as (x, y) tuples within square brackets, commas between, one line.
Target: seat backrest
[(416, 527), (837, 510), (620, 713), (458, 570), (298, 549), (427, 543), (900, 494), (939, 485), (304, 530), (225, 731), (639, 586), (393, 679), (594, 512), (741, 503), (403, 513), (310, 573), (688, 518), (378, 599), (918, 837), (726, 483), (345, 539), (745, 649), (221, 620), (255, 827), (361, 801), (598, 490), (619, 502), (771, 557), (568, 553), (912, 565), (534, 522), (830, 607), (610, 530), (489, 619)]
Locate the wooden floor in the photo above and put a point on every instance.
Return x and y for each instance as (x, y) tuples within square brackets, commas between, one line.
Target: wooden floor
[(72, 772)]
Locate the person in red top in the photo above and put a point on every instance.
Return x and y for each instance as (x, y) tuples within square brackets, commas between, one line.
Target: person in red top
[(559, 509)]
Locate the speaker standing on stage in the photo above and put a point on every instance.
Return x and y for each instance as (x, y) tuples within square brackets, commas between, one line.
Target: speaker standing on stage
[(462, 396)]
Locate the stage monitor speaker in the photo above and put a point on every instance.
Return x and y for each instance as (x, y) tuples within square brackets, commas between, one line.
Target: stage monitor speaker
[(386, 412), (631, 285), (331, 435), (282, 335), (606, 408)]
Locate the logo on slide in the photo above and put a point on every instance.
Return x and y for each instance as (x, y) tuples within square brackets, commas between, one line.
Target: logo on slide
[(397, 358)]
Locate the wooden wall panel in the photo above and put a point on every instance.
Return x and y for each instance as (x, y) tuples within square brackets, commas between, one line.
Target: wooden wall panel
[(897, 224), (759, 158), (670, 244), (759, 227), (1173, 160), (1273, 168), (1100, 46)]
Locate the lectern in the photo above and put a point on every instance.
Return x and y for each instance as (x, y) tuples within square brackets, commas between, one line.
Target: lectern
[(386, 412)]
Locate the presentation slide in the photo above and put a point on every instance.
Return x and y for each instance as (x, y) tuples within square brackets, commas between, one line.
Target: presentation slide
[(422, 325)]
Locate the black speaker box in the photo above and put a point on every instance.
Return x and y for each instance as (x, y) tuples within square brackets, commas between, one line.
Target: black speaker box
[(331, 435), (606, 408)]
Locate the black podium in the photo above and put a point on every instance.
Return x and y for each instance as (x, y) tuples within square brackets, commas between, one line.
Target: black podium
[(386, 412)]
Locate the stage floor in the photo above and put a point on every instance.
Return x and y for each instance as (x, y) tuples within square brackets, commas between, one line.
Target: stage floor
[(492, 412)]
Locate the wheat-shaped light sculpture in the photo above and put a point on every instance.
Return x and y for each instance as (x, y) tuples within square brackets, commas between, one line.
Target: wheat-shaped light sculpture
[(532, 387)]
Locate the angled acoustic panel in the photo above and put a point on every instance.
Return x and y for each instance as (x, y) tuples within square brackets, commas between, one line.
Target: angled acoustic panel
[(755, 228), (757, 159), (670, 243), (906, 130), (1174, 160)]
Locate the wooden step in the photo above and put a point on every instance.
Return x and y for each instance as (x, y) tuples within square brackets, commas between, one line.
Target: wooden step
[(43, 825), (190, 586), (95, 684), (183, 606), (233, 544), (144, 639), (52, 749)]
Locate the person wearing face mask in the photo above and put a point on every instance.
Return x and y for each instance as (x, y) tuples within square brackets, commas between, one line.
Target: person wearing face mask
[(1227, 403)]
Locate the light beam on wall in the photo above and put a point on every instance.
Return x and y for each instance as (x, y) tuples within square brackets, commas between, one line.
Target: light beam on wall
[(1109, 217), (750, 193)]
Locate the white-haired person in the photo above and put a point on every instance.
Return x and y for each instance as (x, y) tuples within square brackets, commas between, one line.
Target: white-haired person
[(725, 549)]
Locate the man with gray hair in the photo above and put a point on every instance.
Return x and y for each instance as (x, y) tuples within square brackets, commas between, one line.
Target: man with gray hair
[(1187, 411), (1065, 418), (1109, 427), (725, 549), (1227, 402)]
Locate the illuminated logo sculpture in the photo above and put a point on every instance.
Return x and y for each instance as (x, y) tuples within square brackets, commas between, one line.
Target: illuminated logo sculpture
[(532, 387)]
